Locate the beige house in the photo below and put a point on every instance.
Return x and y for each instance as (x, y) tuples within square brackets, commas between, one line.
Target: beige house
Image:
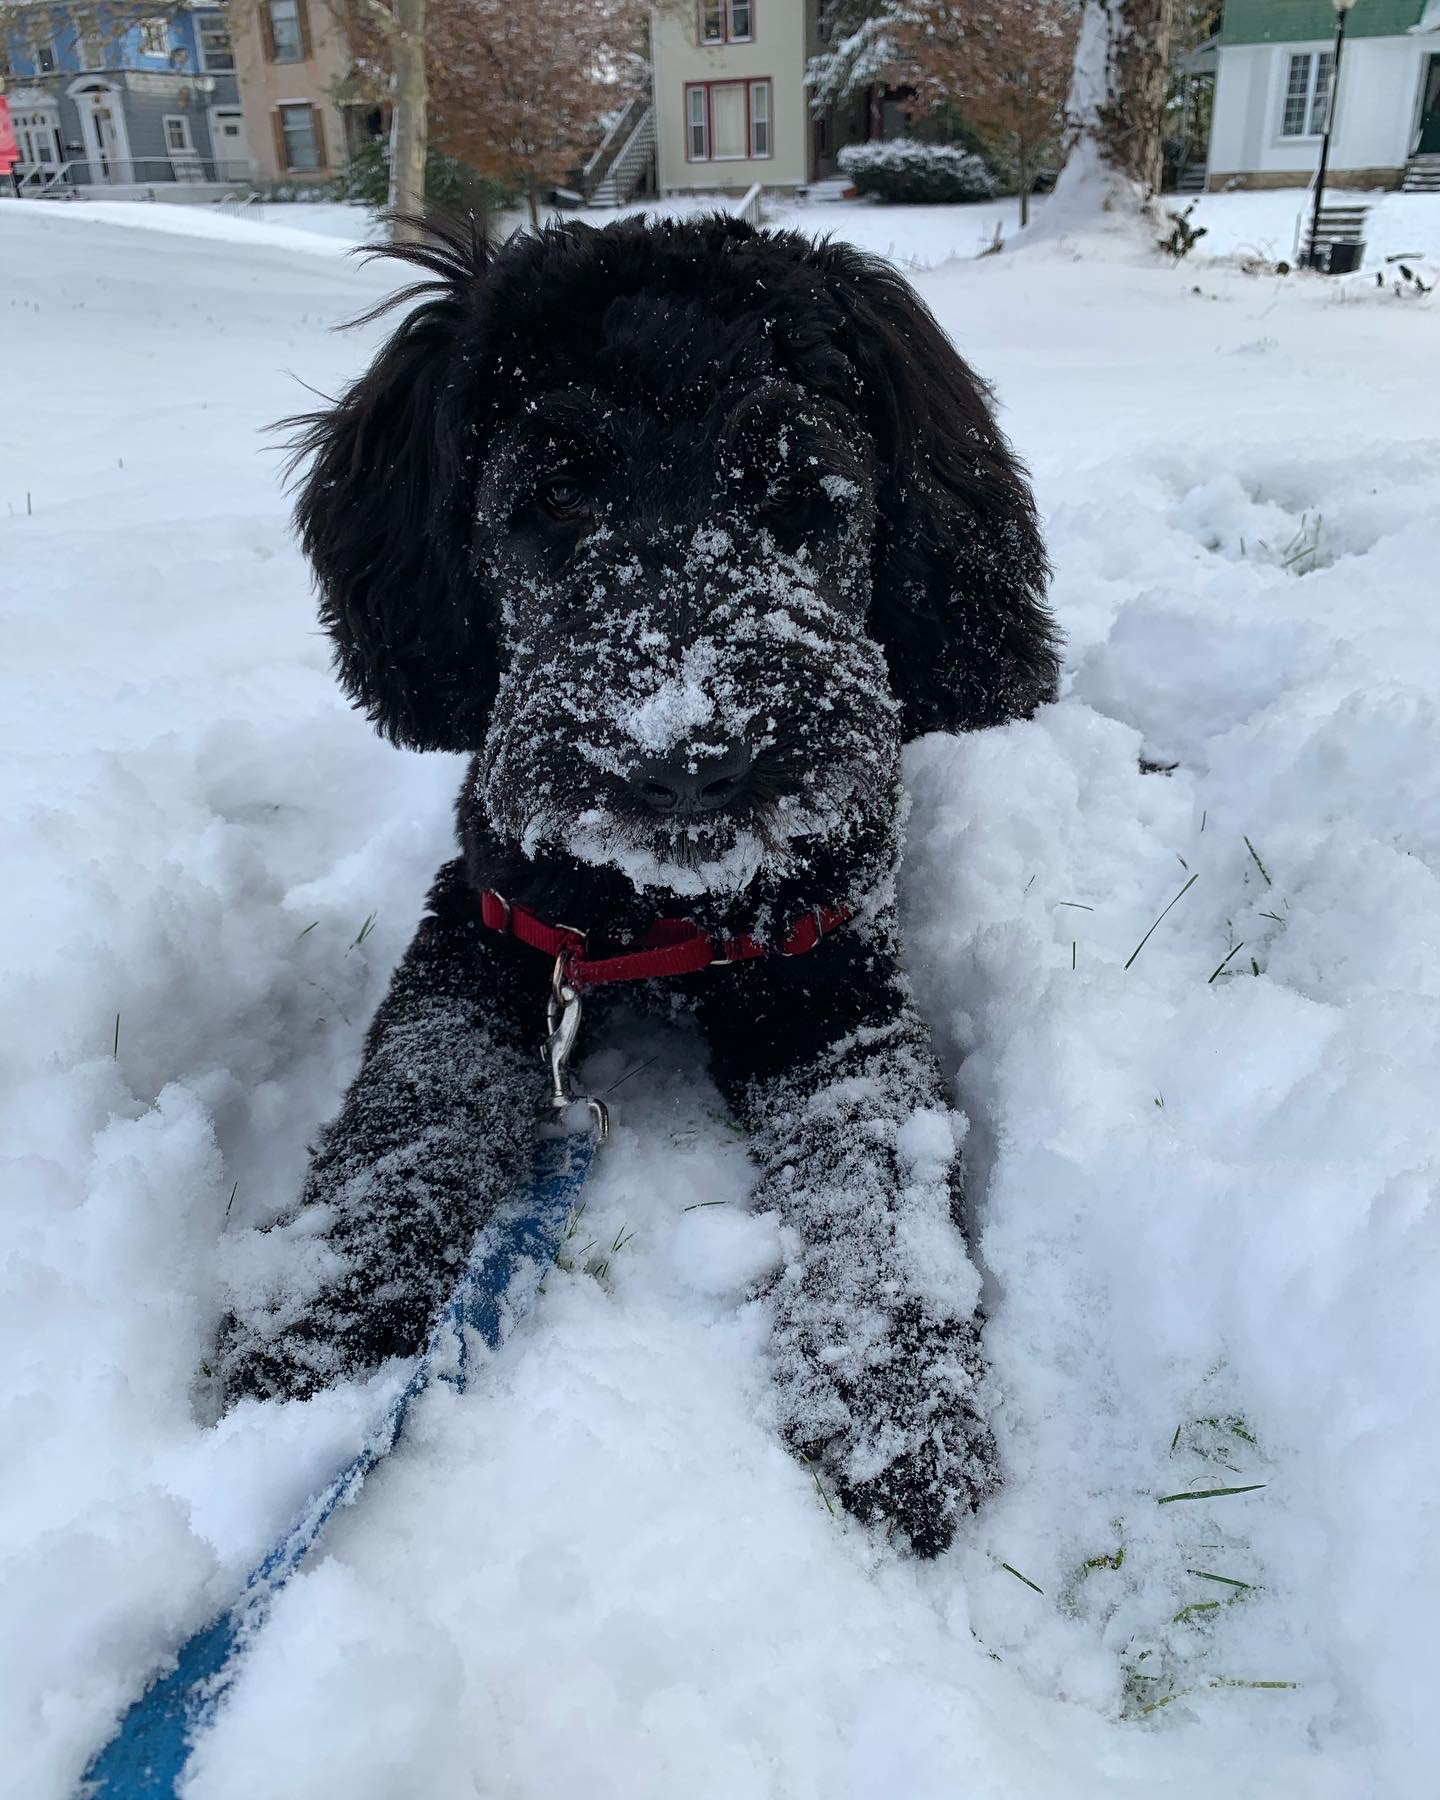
[(730, 101), (289, 57)]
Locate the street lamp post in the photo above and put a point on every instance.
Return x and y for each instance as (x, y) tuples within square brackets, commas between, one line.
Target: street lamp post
[(1342, 12)]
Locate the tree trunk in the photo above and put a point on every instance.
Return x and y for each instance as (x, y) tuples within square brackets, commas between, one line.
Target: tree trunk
[(533, 204), (1023, 159), (1117, 112), (410, 128), (1131, 119)]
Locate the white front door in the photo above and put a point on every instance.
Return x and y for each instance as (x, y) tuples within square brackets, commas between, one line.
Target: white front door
[(107, 149), (185, 165), (107, 145), (228, 147)]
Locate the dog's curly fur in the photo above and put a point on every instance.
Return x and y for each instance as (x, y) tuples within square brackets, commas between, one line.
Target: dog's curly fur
[(614, 510)]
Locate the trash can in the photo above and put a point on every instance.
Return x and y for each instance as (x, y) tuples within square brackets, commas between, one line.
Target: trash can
[(1345, 259)]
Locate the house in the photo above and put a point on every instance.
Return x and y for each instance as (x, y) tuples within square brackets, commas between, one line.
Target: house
[(1272, 95), (294, 66), (731, 106), (110, 100), (729, 80)]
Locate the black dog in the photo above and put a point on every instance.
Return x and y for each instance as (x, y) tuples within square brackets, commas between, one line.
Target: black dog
[(681, 529)]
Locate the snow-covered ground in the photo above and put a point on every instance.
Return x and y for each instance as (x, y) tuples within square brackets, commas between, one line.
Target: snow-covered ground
[(916, 237), (1204, 1176)]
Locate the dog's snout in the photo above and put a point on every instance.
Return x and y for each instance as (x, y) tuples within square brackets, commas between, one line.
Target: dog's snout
[(685, 783)]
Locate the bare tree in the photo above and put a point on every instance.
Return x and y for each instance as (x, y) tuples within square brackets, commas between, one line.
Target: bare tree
[(106, 26), (390, 51), (410, 121)]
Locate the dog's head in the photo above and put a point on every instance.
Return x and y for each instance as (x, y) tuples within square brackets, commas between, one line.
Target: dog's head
[(681, 527)]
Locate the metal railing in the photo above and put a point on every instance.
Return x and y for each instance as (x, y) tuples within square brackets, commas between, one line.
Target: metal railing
[(36, 180), (610, 148), (625, 169), (749, 207)]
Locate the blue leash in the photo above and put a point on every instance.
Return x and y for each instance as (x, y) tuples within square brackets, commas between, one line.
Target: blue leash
[(146, 1758)]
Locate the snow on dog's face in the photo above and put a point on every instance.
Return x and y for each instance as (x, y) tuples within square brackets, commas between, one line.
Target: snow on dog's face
[(679, 528), (688, 693)]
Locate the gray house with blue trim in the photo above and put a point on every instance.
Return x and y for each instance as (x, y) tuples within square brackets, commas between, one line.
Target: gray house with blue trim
[(107, 99)]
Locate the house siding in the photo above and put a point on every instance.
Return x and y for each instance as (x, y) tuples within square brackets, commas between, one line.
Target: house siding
[(1298, 21), (776, 52), (1376, 118), (265, 86), (142, 89)]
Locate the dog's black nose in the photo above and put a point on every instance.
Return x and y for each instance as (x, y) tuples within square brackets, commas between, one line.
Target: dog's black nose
[(693, 784)]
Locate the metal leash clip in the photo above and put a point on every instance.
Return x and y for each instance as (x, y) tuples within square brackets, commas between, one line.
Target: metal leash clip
[(562, 1019)]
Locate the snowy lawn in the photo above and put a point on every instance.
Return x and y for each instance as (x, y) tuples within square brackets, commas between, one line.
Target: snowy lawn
[(1203, 1160), (915, 237)]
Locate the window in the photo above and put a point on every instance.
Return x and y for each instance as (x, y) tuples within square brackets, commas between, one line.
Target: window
[(215, 48), (154, 37), (726, 21), (287, 31), (1307, 94), (300, 142), (728, 121), (759, 118), (699, 135), (177, 135), (44, 58), (38, 136)]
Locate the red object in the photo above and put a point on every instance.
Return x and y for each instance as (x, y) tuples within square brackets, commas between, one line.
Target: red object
[(668, 947), (9, 148)]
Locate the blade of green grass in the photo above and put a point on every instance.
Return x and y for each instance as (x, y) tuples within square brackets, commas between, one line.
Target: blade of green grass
[(1229, 1580), (1010, 1570), (1209, 1493), (1146, 939), (1234, 951), (1258, 864)]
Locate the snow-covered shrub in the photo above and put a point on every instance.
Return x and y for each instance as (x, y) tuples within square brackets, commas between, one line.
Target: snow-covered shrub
[(905, 170)]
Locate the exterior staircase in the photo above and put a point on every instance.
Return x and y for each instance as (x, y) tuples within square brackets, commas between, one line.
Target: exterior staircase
[(624, 158), (1337, 242), (1191, 179), (1422, 175)]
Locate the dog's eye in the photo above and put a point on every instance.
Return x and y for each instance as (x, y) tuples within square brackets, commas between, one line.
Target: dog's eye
[(564, 498), (784, 501)]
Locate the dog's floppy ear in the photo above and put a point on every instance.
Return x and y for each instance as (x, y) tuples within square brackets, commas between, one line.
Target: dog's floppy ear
[(383, 514), (960, 570)]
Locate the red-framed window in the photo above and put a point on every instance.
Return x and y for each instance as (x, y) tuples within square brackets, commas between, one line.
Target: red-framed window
[(729, 121), (725, 21)]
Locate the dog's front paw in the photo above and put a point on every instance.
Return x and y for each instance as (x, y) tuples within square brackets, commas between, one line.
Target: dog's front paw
[(909, 1446)]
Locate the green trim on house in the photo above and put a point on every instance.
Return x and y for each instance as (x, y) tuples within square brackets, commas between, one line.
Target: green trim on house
[(1313, 21)]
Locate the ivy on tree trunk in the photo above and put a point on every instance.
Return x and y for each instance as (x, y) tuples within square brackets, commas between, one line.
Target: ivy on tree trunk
[(1129, 119)]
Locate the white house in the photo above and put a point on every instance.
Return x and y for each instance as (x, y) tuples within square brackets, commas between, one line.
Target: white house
[(1273, 91), (730, 100)]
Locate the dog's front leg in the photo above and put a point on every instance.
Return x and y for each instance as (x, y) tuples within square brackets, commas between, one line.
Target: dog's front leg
[(434, 1131), (874, 1340)]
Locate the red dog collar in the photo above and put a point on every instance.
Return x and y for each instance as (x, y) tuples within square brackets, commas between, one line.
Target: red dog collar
[(668, 947)]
